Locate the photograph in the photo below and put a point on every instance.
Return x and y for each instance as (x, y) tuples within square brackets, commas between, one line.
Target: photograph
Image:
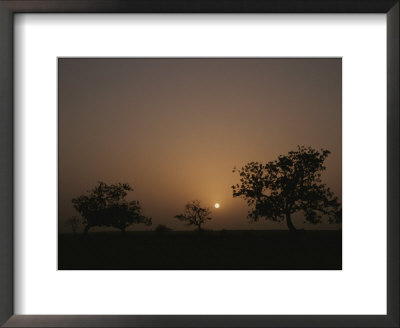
[(199, 163)]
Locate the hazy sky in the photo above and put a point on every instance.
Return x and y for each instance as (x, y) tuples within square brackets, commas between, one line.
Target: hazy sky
[(175, 128)]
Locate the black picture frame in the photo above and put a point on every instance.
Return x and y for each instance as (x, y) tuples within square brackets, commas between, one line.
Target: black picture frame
[(10, 7)]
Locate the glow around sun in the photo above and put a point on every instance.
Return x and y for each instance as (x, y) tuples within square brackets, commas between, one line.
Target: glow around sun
[(216, 205)]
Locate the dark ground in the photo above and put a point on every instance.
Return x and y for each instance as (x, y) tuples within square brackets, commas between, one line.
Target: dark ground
[(211, 250)]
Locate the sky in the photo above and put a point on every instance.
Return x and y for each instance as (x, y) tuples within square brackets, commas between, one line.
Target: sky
[(175, 128)]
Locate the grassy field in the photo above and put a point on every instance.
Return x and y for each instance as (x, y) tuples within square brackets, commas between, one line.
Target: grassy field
[(210, 250)]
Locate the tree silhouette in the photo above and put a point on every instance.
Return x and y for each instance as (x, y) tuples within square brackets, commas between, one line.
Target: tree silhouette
[(194, 214), (73, 222), (105, 205), (162, 229), (287, 185)]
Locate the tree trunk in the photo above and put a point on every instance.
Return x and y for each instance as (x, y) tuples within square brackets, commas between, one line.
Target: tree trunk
[(85, 232), (123, 231), (289, 222), (199, 228)]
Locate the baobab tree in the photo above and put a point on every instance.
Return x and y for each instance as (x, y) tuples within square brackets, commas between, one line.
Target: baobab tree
[(290, 184), (194, 214)]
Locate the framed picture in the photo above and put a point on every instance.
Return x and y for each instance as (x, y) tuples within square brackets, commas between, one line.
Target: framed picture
[(215, 164)]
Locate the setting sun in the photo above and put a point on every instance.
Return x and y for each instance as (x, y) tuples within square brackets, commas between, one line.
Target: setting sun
[(216, 205)]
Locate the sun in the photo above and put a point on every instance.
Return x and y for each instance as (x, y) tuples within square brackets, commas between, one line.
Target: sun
[(216, 205)]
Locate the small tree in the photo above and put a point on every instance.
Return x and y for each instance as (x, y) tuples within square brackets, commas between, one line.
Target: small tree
[(105, 205), (194, 214), (73, 222), (162, 229), (287, 185)]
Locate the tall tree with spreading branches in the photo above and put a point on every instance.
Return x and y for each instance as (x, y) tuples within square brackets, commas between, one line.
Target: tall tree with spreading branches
[(290, 184), (105, 206), (194, 214)]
